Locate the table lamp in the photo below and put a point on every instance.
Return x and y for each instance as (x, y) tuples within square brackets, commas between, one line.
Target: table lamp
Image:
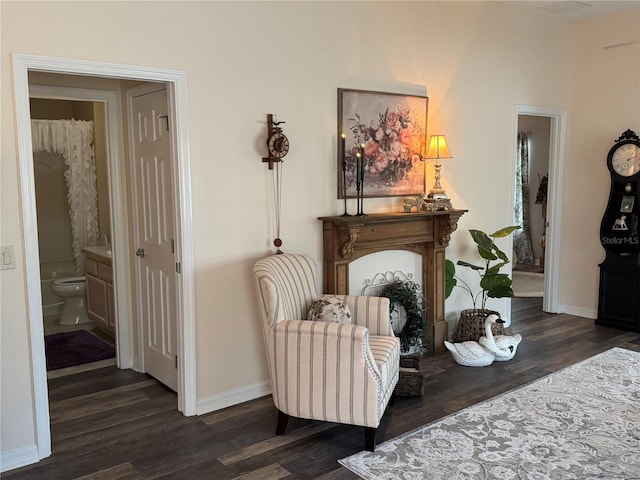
[(437, 150)]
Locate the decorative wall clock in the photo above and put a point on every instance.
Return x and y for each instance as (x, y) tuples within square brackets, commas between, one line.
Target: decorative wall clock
[(619, 296), (278, 147), (277, 142), (624, 157)]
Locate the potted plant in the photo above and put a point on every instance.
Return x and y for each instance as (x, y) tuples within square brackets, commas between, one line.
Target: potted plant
[(408, 294), (493, 284)]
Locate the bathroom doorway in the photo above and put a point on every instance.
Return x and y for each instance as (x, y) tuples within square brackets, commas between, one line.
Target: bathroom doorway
[(80, 117), (100, 73), (72, 202)]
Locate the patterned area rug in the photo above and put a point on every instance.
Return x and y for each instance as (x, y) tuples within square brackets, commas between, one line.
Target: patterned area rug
[(582, 422)]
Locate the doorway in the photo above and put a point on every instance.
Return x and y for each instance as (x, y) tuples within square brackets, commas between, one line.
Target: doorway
[(530, 200), (549, 125), (176, 85), (72, 202)]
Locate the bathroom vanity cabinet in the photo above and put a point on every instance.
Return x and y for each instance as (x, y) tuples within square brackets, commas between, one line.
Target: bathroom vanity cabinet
[(100, 299)]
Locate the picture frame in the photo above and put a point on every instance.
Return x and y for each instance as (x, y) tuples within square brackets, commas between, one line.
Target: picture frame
[(627, 203), (390, 132)]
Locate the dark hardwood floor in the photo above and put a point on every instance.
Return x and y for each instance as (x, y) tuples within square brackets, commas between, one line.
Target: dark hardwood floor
[(118, 424)]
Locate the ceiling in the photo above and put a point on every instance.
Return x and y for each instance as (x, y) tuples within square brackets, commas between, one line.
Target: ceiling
[(574, 10)]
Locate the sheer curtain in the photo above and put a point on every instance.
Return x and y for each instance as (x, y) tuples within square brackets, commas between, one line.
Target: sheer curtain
[(73, 139), (522, 247)]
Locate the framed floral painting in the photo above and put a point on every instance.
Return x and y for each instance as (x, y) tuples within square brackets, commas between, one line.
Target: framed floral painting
[(381, 137)]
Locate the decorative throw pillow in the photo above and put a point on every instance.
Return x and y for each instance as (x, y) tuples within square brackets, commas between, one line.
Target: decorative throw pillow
[(329, 309)]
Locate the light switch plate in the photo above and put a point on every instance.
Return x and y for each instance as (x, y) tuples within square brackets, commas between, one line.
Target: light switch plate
[(7, 257)]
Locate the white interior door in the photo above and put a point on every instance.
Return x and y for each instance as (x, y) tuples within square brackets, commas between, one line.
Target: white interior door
[(154, 232)]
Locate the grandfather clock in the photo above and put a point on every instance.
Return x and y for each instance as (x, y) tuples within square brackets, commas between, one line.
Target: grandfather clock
[(619, 298)]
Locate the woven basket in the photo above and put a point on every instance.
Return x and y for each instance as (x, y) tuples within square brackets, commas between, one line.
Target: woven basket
[(471, 325), (410, 383)]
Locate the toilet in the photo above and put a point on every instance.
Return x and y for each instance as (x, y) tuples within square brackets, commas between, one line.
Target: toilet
[(73, 292)]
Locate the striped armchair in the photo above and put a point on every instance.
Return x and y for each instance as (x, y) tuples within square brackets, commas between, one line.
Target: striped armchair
[(343, 373)]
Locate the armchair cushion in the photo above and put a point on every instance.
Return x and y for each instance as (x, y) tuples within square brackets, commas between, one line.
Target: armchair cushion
[(329, 309)]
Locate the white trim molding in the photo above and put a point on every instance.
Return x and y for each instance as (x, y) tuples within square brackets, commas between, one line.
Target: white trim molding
[(234, 397), (18, 458), (578, 311), (176, 81)]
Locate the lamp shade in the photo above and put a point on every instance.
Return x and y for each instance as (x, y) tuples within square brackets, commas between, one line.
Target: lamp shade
[(438, 148)]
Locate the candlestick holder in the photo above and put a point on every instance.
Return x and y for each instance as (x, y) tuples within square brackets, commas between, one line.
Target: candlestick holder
[(361, 200), (358, 182), (360, 174), (344, 174)]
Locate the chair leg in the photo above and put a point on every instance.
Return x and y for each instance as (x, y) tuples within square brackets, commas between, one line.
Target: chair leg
[(370, 439), (283, 418)]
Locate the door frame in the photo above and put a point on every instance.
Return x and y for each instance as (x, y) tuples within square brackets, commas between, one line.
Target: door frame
[(553, 239), (176, 86)]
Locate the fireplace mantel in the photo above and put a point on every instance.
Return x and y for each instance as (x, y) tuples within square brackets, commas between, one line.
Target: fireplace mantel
[(346, 239)]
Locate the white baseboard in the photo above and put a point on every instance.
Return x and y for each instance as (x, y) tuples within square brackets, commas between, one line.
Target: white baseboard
[(233, 397), (18, 458), (578, 311)]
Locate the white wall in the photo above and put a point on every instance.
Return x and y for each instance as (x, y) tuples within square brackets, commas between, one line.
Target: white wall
[(244, 60), (606, 102)]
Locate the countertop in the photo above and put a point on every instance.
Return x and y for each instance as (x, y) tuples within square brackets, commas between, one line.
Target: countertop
[(100, 253)]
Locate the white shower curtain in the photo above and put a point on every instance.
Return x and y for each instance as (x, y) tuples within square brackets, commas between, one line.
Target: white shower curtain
[(73, 139), (522, 246)]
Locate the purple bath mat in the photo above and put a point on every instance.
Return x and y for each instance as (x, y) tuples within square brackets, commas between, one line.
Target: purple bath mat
[(75, 348)]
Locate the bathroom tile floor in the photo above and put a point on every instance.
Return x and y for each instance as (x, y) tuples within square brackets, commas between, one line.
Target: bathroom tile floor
[(52, 326)]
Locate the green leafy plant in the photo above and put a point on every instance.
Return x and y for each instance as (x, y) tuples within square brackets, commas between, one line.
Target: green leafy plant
[(493, 284), (409, 295)]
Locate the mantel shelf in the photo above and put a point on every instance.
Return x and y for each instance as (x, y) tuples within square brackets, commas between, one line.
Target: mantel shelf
[(346, 238)]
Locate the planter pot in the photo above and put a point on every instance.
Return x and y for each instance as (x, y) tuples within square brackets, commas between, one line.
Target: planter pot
[(471, 325)]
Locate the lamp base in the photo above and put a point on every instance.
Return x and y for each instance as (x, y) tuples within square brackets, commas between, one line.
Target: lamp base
[(437, 193), (437, 188)]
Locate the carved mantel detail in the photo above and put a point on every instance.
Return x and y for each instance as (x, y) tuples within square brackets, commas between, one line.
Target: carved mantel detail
[(446, 226), (346, 239), (352, 233)]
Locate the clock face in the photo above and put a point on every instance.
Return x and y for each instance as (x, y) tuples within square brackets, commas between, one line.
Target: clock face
[(625, 159), (278, 145)]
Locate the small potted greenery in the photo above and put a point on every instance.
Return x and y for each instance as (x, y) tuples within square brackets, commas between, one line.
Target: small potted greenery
[(493, 284), (408, 294)]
